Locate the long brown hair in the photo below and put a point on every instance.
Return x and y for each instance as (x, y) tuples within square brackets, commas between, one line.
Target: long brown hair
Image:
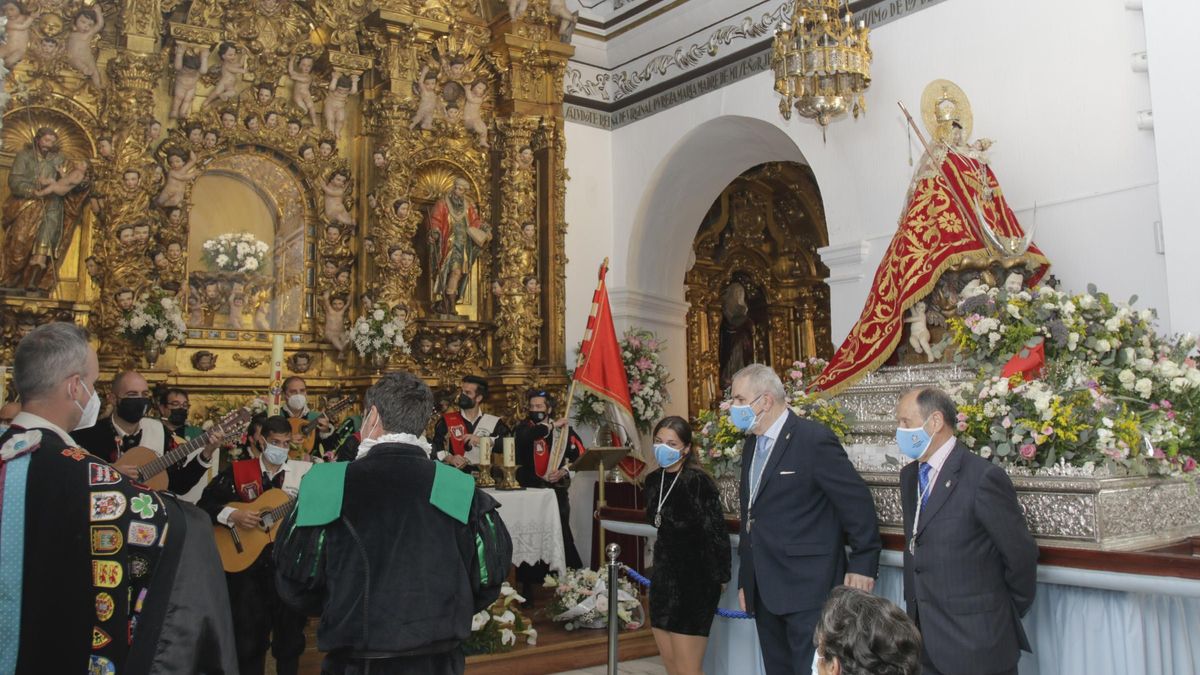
[(683, 430)]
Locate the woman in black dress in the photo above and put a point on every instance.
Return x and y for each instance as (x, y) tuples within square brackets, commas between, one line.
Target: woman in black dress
[(692, 554)]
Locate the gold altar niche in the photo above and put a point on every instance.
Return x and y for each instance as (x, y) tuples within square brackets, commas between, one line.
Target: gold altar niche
[(757, 291), (283, 168)]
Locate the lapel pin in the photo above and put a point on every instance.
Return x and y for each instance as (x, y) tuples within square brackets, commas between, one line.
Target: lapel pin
[(948, 483)]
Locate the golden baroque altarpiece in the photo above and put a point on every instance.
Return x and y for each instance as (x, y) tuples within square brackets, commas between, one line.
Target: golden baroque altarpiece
[(395, 155), (757, 287)]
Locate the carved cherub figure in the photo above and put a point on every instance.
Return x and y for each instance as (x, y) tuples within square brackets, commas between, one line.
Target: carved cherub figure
[(66, 181), (919, 337), (16, 41), (181, 170), (188, 67), (335, 321), (300, 70), (429, 105), (516, 8), (232, 69), (88, 23), (455, 67), (566, 19), (335, 195), (473, 111), (341, 87), (525, 157)]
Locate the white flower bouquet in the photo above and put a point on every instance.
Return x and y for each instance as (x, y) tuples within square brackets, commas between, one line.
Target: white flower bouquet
[(581, 601), (156, 318), (235, 252), (379, 334), (496, 629)]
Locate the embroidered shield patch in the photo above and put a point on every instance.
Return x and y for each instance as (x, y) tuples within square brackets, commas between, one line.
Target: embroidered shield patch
[(103, 474), (101, 666), (100, 639), (106, 573), (138, 566), (142, 534), (107, 505), (106, 539), (104, 607)]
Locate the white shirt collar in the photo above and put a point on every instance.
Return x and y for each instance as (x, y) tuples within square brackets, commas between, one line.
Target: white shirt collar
[(938, 459), (27, 420), (262, 464), (773, 431)]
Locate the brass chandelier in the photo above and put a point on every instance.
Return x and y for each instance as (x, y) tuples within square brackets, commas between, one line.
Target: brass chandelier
[(822, 62)]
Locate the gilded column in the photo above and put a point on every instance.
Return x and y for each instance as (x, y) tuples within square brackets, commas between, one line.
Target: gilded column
[(518, 286)]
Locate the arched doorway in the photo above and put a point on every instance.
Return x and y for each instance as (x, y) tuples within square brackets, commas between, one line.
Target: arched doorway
[(757, 289)]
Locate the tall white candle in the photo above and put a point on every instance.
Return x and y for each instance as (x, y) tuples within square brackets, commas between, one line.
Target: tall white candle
[(276, 374), (510, 451)]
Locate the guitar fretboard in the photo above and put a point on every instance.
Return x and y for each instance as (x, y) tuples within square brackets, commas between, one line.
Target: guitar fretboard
[(157, 466)]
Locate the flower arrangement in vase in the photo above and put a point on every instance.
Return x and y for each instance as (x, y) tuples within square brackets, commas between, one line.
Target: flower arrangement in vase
[(154, 321), (379, 334), (1105, 392), (235, 252)]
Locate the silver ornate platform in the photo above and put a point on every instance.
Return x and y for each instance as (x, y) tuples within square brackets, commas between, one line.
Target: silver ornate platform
[(1071, 509)]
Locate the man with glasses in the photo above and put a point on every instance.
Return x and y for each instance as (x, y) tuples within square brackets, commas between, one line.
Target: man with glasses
[(174, 405), (456, 436)]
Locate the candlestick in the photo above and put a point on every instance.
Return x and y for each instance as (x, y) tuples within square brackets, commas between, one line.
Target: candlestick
[(510, 452), (276, 374)]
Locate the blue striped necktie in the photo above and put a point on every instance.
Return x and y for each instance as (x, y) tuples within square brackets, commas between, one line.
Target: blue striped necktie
[(923, 483)]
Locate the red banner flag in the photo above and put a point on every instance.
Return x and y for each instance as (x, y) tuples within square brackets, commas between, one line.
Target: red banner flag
[(602, 370)]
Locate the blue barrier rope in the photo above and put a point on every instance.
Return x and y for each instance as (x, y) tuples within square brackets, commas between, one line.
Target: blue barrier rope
[(644, 582)]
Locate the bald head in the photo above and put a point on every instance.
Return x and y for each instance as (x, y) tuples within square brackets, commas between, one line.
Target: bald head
[(129, 383)]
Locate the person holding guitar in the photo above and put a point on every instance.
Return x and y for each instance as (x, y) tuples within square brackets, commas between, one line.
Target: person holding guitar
[(457, 434), (323, 441), (128, 428), (259, 618)]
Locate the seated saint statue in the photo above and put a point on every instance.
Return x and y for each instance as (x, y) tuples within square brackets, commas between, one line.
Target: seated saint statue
[(955, 213)]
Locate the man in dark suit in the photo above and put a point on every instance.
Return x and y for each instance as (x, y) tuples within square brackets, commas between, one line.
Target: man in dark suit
[(970, 569), (802, 503)]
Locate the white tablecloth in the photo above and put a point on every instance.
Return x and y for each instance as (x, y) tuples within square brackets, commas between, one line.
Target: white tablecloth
[(532, 519)]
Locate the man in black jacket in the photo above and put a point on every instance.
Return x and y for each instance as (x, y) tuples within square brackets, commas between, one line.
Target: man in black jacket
[(95, 580), (389, 571), (970, 569), (802, 503), (129, 427)]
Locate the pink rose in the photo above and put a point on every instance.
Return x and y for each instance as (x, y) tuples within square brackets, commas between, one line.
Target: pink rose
[(962, 426), (1189, 464), (1028, 451), (796, 375), (962, 417), (1046, 431), (1006, 422)]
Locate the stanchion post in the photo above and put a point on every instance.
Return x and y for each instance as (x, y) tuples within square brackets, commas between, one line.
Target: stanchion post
[(613, 551)]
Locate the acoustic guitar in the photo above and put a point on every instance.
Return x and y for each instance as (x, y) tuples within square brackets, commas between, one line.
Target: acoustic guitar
[(239, 547), (152, 468), (305, 429)]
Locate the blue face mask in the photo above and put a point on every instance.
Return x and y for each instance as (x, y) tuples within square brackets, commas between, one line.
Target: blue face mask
[(275, 454), (742, 417), (913, 442), (665, 455)]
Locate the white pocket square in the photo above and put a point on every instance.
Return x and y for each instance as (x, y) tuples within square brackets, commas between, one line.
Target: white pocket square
[(786, 473)]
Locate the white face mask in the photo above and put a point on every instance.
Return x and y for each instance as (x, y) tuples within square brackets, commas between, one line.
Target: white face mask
[(297, 402), (275, 454), (91, 410)]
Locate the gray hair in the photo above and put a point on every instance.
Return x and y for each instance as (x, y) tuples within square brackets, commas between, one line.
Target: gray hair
[(48, 355), (933, 399), (867, 634), (762, 380), (404, 402)]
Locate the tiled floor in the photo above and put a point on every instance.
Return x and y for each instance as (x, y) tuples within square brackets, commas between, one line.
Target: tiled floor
[(650, 666)]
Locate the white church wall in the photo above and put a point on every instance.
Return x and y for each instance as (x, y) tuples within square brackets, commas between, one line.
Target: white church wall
[(589, 212), (1174, 52), (1061, 102)]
